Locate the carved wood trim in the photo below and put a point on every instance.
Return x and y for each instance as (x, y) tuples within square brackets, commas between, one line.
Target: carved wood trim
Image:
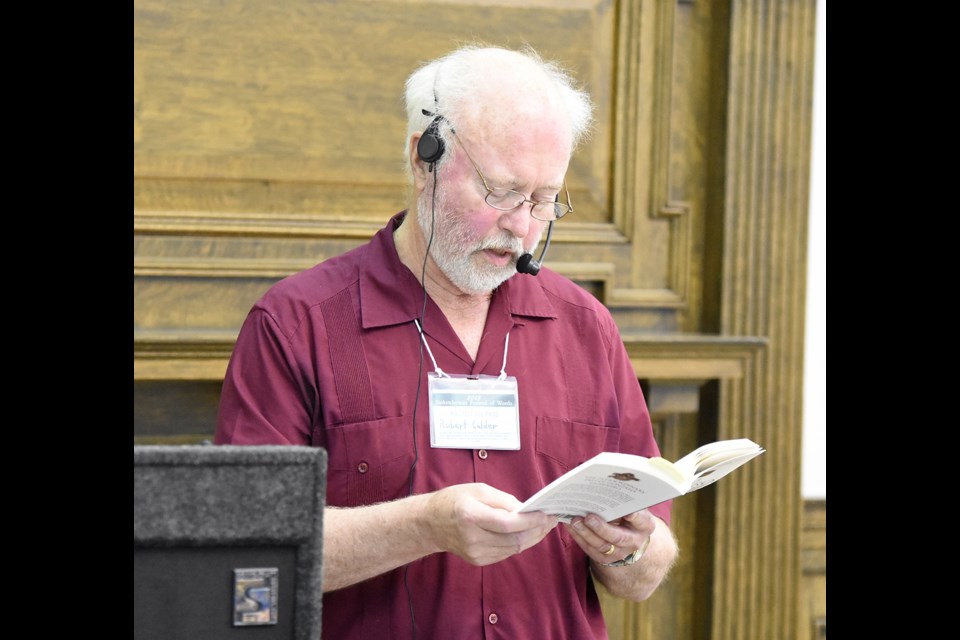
[(691, 357), (641, 175), (814, 538), (159, 267), (763, 278), (186, 355), (145, 267), (177, 355), (661, 207), (813, 559), (315, 225)]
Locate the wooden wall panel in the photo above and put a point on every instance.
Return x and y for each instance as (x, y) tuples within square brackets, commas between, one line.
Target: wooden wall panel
[(271, 121), (295, 107)]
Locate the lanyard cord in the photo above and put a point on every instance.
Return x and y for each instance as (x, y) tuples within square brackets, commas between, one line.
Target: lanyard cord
[(503, 367), (424, 339), (440, 372)]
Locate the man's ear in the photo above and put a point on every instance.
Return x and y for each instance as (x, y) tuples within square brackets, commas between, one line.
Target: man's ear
[(418, 167)]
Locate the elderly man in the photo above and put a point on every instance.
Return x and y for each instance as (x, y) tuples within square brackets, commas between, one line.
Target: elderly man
[(447, 387)]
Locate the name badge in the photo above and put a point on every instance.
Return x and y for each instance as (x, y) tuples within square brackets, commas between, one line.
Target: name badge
[(474, 412)]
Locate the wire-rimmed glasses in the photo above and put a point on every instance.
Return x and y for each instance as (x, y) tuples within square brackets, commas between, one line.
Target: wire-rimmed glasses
[(508, 199)]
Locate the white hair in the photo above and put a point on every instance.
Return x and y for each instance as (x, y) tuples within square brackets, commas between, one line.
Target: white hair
[(449, 86)]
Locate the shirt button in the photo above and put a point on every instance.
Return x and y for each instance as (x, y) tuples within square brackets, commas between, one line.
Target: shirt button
[(493, 618), (362, 467), (483, 456)]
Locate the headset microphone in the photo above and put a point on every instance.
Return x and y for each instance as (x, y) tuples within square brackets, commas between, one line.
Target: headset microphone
[(526, 263)]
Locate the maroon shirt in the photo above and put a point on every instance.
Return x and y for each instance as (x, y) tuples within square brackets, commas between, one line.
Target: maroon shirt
[(330, 358)]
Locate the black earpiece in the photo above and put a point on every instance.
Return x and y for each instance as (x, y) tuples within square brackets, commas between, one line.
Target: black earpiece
[(430, 145)]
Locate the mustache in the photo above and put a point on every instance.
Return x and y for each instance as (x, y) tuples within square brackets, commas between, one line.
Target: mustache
[(503, 243)]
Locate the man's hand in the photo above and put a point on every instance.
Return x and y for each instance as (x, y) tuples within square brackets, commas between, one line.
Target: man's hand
[(473, 521), (607, 542), (476, 522)]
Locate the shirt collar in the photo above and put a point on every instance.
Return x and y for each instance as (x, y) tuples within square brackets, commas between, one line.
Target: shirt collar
[(391, 294)]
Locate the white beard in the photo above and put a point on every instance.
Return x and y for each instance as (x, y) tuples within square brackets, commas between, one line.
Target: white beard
[(457, 255)]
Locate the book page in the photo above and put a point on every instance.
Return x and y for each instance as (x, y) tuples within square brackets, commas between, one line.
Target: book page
[(713, 473), (609, 490), (613, 485), (701, 460)]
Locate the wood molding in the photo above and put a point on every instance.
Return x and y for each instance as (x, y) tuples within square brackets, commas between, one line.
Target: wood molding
[(763, 278), (203, 355), (813, 564), (691, 357), (813, 540), (316, 225), (177, 355), (641, 179), (160, 267)]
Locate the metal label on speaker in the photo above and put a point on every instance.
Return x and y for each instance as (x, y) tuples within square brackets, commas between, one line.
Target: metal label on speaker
[(255, 596)]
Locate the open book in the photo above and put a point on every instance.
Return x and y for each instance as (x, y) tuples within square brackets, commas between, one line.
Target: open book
[(613, 485)]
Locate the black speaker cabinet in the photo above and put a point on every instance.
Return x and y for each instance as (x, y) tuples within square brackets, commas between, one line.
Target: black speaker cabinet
[(228, 542)]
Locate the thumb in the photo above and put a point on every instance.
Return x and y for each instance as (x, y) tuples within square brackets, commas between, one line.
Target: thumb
[(640, 520), (632, 517)]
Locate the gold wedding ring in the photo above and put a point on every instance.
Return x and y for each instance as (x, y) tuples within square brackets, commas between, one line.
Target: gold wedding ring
[(609, 552)]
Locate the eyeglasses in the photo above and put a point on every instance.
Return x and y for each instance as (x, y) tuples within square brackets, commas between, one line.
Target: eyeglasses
[(508, 199)]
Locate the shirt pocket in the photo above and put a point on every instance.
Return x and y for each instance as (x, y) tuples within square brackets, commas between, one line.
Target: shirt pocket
[(369, 462), (564, 444)]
